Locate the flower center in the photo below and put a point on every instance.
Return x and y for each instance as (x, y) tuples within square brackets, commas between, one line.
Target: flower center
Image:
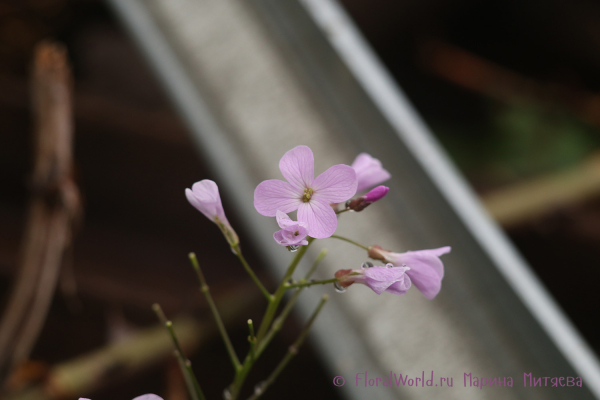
[(296, 233), (308, 192)]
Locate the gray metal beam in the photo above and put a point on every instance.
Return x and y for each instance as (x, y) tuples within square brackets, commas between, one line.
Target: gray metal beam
[(510, 323)]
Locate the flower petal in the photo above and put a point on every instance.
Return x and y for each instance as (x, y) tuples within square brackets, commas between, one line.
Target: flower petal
[(283, 220), (204, 196), (381, 278), (273, 195), (279, 238), (369, 172), (148, 397), (319, 216), (298, 167), (400, 287), (426, 269), (335, 185)]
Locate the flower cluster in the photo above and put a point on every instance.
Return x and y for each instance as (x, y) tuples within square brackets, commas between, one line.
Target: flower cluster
[(316, 201)]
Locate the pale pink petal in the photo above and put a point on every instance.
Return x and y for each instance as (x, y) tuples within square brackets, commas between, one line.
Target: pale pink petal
[(298, 167), (369, 172), (287, 238), (148, 397), (335, 185), (429, 257), (426, 269), (273, 195), (400, 287), (379, 279), (204, 196), (283, 220), (319, 216), (279, 238)]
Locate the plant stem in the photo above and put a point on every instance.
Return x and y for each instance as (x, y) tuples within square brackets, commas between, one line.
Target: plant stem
[(350, 241), (292, 351), (204, 288), (272, 308), (344, 210), (278, 322), (242, 373), (252, 340), (307, 284), (265, 292), (186, 366), (318, 260)]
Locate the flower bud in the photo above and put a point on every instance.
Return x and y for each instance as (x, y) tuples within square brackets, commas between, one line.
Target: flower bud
[(372, 196), (204, 196)]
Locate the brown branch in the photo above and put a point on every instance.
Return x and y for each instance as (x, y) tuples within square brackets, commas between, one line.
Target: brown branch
[(53, 209), (79, 376)]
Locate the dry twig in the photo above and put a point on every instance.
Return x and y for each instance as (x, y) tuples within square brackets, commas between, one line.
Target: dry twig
[(53, 209)]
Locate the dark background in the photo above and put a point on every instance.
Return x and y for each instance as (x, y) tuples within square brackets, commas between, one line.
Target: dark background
[(510, 88)]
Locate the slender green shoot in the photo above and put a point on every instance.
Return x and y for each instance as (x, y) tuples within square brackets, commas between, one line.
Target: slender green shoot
[(292, 351), (213, 308), (350, 241), (238, 252), (310, 283), (186, 366)]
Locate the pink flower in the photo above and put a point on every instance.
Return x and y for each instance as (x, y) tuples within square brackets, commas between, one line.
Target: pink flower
[(142, 397), (310, 196), (205, 197), (292, 233), (380, 279), (360, 203), (369, 172), (426, 269)]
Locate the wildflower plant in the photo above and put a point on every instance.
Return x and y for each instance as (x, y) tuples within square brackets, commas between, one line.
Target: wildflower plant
[(317, 203)]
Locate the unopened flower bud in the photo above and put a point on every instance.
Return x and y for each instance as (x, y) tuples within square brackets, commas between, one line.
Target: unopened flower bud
[(204, 196), (375, 194), (372, 196)]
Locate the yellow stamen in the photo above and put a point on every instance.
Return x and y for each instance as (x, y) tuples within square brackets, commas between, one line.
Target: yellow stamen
[(308, 192)]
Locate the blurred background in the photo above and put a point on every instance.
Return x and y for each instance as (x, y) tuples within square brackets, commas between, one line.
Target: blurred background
[(511, 90)]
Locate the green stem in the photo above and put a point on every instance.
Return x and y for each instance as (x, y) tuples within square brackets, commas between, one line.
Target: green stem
[(278, 322), (252, 340), (307, 284), (206, 291), (238, 253), (318, 260), (350, 241), (272, 308), (241, 374), (185, 365), (292, 351), (342, 211)]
